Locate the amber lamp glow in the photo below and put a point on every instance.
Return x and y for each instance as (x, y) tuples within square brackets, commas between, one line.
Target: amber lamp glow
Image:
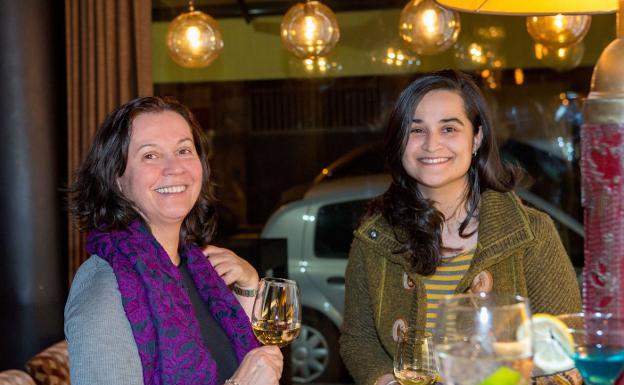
[(427, 27), (531, 7), (558, 31), (194, 39), (562, 58), (309, 30)]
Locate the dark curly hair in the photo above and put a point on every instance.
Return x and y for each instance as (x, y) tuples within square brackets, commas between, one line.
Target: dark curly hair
[(416, 222), (95, 198)]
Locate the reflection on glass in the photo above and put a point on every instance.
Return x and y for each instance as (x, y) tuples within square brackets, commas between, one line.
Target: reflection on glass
[(318, 66), (473, 55), (561, 59), (493, 33), (394, 57)]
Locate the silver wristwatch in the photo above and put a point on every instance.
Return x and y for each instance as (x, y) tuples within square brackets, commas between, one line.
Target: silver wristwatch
[(244, 292)]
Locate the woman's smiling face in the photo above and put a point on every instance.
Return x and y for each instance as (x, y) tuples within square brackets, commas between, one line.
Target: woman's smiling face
[(440, 144), (163, 175)]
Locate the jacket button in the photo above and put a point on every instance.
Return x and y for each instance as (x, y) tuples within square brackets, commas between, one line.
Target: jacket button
[(407, 282), (398, 326), (372, 234)]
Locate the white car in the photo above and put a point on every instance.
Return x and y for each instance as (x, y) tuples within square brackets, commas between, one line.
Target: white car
[(319, 230)]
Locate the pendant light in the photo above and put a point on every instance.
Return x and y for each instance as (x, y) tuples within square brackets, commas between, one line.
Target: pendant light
[(427, 27), (194, 39), (558, 31), (309, 30)]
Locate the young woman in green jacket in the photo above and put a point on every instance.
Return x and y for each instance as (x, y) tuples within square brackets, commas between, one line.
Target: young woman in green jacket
[(448, 223)]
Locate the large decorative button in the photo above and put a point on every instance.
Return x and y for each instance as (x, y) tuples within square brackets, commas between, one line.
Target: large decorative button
[(407, 282), (372, 234), (399, 325), (482, 283)]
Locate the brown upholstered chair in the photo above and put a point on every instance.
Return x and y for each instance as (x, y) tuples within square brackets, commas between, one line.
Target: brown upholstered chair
[(51, 366), (15, 377)]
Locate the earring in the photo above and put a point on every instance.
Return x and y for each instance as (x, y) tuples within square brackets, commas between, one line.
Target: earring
[(474, 153)]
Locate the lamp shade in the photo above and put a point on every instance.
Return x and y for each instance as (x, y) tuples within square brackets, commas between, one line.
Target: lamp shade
[(194, 39), (558, 31), (428, 28), (309, 30), (532, 7)]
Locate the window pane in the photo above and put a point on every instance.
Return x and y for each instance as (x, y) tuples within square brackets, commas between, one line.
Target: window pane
[(334, 228)]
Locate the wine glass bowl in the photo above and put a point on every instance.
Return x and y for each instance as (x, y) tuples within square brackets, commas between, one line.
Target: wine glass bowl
[(414, 363), (276, 315), (483, 338), (597, 345)]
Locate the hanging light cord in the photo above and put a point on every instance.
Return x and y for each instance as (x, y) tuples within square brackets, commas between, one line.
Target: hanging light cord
[(481, 6)]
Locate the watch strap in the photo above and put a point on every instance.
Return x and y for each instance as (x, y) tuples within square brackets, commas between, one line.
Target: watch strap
[(244, 292)]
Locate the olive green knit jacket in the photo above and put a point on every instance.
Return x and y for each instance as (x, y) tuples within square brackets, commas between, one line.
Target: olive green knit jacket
[(518, 245)]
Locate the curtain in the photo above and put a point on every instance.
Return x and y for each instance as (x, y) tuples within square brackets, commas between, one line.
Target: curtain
[(108, 59)]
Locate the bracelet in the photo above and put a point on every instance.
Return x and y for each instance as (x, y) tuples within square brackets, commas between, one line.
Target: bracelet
[(231, 382), (244, 293)]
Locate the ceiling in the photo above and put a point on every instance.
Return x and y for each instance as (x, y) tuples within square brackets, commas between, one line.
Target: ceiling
[(164, 10)]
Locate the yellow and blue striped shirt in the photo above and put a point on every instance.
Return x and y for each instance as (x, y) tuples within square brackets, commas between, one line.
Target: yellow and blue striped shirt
[(443, 282)]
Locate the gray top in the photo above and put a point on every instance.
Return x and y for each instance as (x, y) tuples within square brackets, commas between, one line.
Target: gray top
[(106, 352)]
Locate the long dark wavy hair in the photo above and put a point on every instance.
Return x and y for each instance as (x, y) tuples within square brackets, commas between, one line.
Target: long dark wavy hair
[(95, 198), (416, 222)]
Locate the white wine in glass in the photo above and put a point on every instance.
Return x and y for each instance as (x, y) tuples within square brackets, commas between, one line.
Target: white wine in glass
[(414, 362), (276, 317)]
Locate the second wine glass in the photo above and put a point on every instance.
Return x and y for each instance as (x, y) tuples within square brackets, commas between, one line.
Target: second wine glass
[(276, 316), (414, 363)]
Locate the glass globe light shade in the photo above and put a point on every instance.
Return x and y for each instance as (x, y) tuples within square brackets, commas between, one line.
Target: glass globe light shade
[(559, 30), (428, 28), (194, 39), (562, 58), (309, 30)]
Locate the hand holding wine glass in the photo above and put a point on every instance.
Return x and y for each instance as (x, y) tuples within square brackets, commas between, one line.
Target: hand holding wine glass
[(276, 316)]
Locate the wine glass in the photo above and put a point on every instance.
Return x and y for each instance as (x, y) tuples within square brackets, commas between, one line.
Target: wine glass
[(414, 363), (276, 316), (596, 345), (483, 339)]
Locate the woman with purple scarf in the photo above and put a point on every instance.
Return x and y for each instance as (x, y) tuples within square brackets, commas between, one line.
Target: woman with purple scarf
[(148, 307)]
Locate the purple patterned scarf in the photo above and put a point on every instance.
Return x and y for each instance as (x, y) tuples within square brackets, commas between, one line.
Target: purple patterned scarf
[(160, 311)]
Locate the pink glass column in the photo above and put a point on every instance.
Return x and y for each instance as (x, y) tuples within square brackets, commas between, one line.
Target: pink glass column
[(602, 171), (602, 167)]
